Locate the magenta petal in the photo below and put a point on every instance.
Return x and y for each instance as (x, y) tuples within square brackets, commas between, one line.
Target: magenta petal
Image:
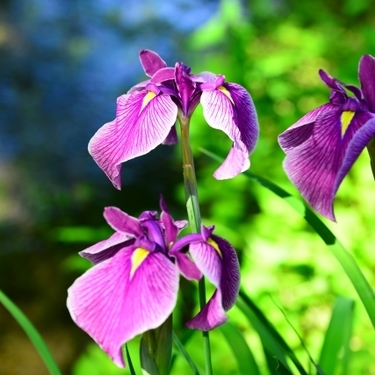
[(302, 129), (211, 316), (366, 75), (151, 62), (122, 222), (113, 308), (187, 268), (314, 166), (138, 129), (107, 248), (234, 113)]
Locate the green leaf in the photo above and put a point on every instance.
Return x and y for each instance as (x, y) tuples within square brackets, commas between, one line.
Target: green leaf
[(351, 268), (185, 354), (33, 334), (337, 337), (274, 345), (129, 361), (245, 359)]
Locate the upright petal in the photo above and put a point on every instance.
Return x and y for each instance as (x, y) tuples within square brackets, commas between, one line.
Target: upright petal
[(151, 62), (122, 222), (115, 301), (231, 109), (143, 121), (366, 75)]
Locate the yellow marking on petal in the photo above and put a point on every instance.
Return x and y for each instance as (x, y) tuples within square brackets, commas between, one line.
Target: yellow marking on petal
[(346, 118), (211, 242), (137, 258), (226, 93), (147, 99)]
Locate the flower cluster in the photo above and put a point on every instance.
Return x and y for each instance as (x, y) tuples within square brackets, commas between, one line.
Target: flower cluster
[(323, 145), (146, 116), (132, 287)]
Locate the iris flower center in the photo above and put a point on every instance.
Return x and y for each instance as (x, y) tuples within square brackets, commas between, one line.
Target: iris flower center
[(215, 246), (346, 118), (137, 258)]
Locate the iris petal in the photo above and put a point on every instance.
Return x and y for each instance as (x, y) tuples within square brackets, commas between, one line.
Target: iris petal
[(314, 165), (113, 308), (366, 77), (151, 62), (122, 222), (143, 122), (232, 111)]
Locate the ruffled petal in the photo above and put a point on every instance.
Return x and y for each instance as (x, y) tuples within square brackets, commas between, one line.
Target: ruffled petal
[(313, 166), (151, 62), (231, 110), (302, 129), (122, 222), (107, 248), (113, 307), (141, 125), (366, 75)]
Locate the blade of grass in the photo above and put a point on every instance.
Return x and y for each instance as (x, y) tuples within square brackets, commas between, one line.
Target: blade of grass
[(185, 354), (32, 333), (351, 268), (272, 342), (337, 338), (244, 356), (129, 361)]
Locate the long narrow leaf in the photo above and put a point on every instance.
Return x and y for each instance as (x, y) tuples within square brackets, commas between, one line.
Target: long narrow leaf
[(245, 359), (129, 361), (337, 337), (351, 268), (33, 334), (185, 354), (274, 345)]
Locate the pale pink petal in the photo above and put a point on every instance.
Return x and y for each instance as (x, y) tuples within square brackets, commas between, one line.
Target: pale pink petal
[(113, 307), (137, 130)]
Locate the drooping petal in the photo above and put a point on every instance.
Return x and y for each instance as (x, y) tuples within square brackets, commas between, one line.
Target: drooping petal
[(151, 62), (300, 131), (143, 122), (366, 75), (218, 261), (359, 141), (113, 303), (107, 248), (122, 222), (313, 166), (231, 110), (171, 138)]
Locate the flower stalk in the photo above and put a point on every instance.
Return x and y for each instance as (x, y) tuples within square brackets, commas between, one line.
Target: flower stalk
[(194, 215)]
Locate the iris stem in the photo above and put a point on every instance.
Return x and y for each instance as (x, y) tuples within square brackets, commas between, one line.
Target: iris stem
[(194, 215)]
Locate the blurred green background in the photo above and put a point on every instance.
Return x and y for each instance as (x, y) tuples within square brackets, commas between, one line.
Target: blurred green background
[(62, 66)]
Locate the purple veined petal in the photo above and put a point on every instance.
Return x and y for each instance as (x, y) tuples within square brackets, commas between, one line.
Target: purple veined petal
[(151, 62), (186, 267), (162, 75), (313, 167), (171, 138), (113, 307), (185, 85), (122, 222), (139, 86), (143, 122), (331, 82), (211, 316), (236, 162), (300, 131), (366, 73), (359, 141), (107, 248), (231, 110)]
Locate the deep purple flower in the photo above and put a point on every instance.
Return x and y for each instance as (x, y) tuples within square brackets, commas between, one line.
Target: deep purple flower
[(146, 117), (133, 285), (323, 145)]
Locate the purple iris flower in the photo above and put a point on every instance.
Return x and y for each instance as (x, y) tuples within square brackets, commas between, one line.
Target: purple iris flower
[(323, 145), (133, 285), (146, 117)]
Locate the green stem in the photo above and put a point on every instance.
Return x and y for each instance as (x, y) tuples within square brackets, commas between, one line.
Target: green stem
[(371, 151), (194, 215)]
